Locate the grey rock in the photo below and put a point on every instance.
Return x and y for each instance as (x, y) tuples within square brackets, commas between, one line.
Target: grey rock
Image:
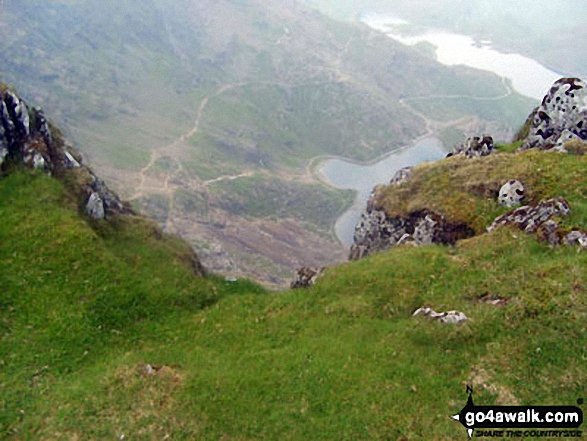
[(110, 200), (70, 161), (446, 318), (3, 144), (19, 110), (406, 239), (38, 161), (7, 123), (95, 207), (511, 193), (549, 232), (376, 231), (576, 237), (529, 218), (41, 126), (306, 277), (474, 147), (401, 176), (561, 117)]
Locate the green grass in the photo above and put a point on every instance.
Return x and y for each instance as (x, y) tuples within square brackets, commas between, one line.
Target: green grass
[(264, 196), (465, 190), (84, 306)]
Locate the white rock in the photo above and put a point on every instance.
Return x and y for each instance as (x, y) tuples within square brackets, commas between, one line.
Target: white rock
[(511, 193), (95, 207), (446, 318)]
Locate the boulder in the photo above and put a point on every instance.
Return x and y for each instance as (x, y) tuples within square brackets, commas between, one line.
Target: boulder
[(474, 147), (95, 207), (401, 176), (19, 113), (575, 237), (446, 318), (306, 277), (530, 218), (561, 117), (511, 193)]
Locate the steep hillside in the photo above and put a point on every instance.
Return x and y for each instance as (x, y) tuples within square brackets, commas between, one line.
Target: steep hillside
[(102, 336), (183, 106), (108, 333)]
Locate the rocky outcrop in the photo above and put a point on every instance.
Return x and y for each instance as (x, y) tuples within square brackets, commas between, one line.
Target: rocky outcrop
[(26, 138), (446, 318), (511, 193), (562, 117), (539, 219), (306, 277), (401, 176), (376, 231), (474, 147), (530, 218)]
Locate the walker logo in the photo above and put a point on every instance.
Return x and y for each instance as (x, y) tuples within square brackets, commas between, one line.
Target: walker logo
[(492, 421)]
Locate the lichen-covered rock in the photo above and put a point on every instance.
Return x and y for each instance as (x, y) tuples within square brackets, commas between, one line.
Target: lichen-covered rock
[(401, 176), (561, 117), (474, 147), (3, 144), (306, 277), (446, 318), (575, 237), (529, 218), (19, 113), (376, 231), (95, 207), (549, 232), (511, 193)]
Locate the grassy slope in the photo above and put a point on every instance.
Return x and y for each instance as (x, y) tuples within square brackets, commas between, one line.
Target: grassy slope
[(462, 189), (83, 310)]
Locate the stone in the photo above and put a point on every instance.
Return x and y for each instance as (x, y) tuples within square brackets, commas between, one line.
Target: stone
[(70, 161), (376, 231), (3, 144), (575, 237), (306, 277), (425, 230), (41, 126), (474, 147), (561, 117), (511, 193), (111, 202), (401, 176), (406, 239), (549, 232), (446, 318), (529, 218), (38, 161), (95, 207), (19, 110), (7, 124)]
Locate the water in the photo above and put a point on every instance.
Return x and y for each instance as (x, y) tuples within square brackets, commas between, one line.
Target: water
[(362, 178), (528, 77)]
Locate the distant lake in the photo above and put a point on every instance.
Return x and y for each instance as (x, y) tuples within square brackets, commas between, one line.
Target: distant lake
[(362, 178), (528, 77)]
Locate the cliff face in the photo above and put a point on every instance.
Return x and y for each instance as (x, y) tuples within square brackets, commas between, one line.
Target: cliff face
[(559, 124)]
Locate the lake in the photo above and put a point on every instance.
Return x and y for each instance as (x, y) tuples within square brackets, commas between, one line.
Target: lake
[(345, 174), (527, 76)]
